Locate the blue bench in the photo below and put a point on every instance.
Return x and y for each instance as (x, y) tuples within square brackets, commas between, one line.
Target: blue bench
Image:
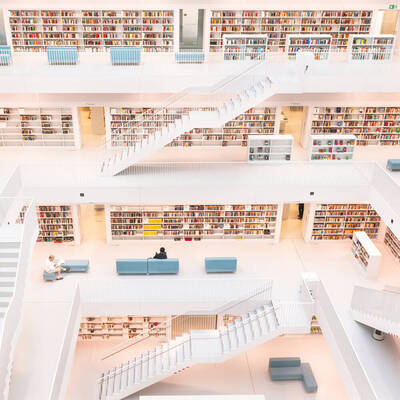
[(5, 55), (76, 265), (189, 57), (220, 264), (62, 55), (291, 368), (393, 164), (125, 55), (150, 266), (49, 276)]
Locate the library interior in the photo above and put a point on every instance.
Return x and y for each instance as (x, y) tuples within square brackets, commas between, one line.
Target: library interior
[(199, 200)]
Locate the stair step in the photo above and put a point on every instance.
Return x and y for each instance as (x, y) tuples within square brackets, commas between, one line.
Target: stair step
[(9, 245), (110, 382), (240, 332), (9, 253), (145, 366), (6, 291), (7, 281), (187, 347), (138, 369), (272, 322), (165, 357), (124, 378), (8, 270), (103, 388), (263, 320), (232, 335), (255, 324), (226, 344), (131, 372), (152, 360), (159, 366), (172, 353), (248, 332), (3, 311), (117, 379)]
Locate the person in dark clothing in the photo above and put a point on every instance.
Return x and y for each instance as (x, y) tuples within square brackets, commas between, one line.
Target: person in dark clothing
[(162, 255), (301, 211)]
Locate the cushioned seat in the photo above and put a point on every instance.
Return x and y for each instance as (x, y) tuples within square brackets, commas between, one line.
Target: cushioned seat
[(393, 164), (220, 264), (280, 362), (125, 55), (62, 55), (5, 55), (189, 57), (168, 266), (131, 266), (76, 265), (310, 384), (49, 276), (286, 373)]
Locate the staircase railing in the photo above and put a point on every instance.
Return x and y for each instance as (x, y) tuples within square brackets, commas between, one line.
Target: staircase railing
[(258, 294), (146, 134), (13, 318), (152, 358)]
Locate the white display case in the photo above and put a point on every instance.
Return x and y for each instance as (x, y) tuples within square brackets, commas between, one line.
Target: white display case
[(320, 45), (245, 47), (366, 253), (332, 147), (371, 48), (269, 148)]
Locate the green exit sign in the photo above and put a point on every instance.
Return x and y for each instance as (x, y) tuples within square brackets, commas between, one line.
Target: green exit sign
[(392, 6)]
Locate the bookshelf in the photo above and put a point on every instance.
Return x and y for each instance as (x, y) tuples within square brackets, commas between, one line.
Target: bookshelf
[(245, 47), (57, 223), (366, 253), (340, 221), (193, 222), (371, 125), (318, 44), (123, 327), (315, 326), (121, 123), (92, 30), (38, 127), (392, 243), (371, 48), (269, 148), (277, 24), (332, 147)]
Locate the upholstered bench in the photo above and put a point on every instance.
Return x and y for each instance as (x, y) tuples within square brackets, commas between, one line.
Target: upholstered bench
[(49, 276), (167, 266), (189, 57), (76, 265), (310, 384), (220, 264), (5, 55), (125, 55), (131, 266), (62, 55), (393, 164)]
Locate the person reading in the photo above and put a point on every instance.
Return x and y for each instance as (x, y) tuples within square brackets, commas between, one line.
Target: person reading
[(162, 255), (53, 266)]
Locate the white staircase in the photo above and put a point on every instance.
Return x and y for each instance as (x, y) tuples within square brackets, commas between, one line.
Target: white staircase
[(202, 346), (251, 97), (16, 246)]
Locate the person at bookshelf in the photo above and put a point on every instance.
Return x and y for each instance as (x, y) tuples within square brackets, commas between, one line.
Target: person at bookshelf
[(162, 255), (301, 210), (53, 266)]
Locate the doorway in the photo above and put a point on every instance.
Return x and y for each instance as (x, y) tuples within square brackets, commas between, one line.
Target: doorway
[(92, 126), (291, 223), (92, 222), (389, 22), (292, 122), (191, 23)]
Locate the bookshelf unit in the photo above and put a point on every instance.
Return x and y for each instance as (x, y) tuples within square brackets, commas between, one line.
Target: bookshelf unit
[(57, 223), (245, 47), (38, 127), (332, 147), (371, 48), (268, 148), (92, 30), (318, 44), (193, 222), (392, 243), (315, 326), (340, 221), (366, 253), (371, 125), (277, 24), (121, 123), (122, 327)]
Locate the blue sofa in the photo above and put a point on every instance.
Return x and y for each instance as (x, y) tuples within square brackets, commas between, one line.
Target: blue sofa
[(5, 55), (393, 164), (76, 265), (220, 264), (49, 276), (125, 55), (150, 266), (62, 55), (189, 57), (291, 368)]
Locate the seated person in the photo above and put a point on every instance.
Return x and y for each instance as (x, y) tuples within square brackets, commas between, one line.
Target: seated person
[(162, 255), (52, 266)]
